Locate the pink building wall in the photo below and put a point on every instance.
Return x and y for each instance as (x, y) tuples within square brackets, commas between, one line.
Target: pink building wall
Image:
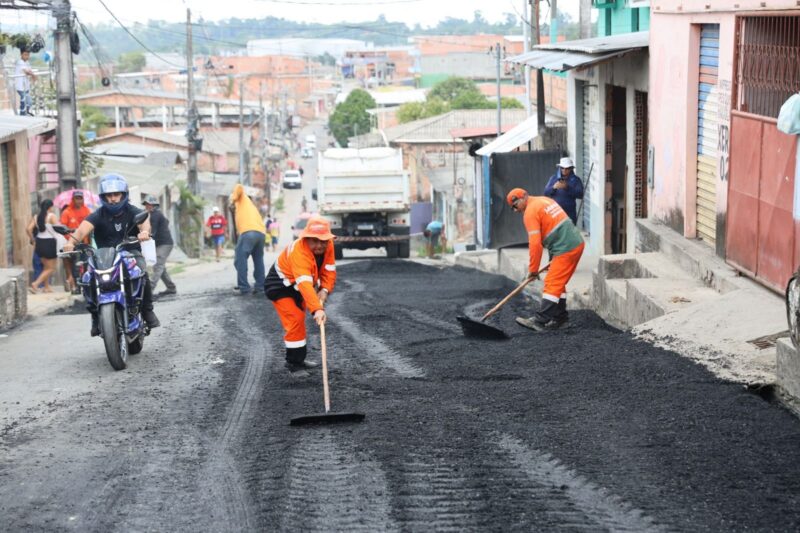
[(674, 77)]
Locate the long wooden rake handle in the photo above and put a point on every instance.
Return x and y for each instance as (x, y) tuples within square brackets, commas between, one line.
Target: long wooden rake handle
[(325, 391), (513, 293)]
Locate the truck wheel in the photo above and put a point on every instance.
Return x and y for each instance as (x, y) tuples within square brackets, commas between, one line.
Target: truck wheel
[(391, 250), (404, 249), (338, 253)]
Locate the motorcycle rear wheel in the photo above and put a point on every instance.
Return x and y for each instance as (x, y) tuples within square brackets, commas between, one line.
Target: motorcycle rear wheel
[(115, 341)]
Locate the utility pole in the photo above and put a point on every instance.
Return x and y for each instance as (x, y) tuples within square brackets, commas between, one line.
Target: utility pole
[(262, 128), (526, 32), (498, 58), (585, 18), (191, 112), (69, 161), (540, 114), (553, 21), (241, 132)]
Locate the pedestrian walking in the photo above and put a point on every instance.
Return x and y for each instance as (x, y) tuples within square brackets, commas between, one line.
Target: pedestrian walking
[(565, 188), (250, 228), (23, 76), (217, 223), (159, 227), (300, 281), (274, 233), (432, 233), (72, 216), (43, 237), (548, 226)]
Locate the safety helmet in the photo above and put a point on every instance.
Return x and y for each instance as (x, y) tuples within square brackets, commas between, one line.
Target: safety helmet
[(113, 183), (515, 194)]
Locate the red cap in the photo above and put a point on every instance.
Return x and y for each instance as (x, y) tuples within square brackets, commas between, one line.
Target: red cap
[(515, 194)]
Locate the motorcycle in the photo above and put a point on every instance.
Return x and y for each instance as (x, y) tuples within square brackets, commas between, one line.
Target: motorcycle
[(114, 284)]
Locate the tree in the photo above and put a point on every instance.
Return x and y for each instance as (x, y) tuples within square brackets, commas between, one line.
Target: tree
[(131, 62), (449, 89), (471, 100), (510, 103), (418, 110), (350, 118), (92, 119)]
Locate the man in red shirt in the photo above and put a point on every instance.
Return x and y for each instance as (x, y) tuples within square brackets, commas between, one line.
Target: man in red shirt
[(217, 223), (71, 217)]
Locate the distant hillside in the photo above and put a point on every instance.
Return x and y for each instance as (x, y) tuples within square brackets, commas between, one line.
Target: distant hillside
[(214, 37)]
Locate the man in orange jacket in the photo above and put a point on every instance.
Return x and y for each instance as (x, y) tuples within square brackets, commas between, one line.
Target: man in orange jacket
[(301, 280), (71, 217), (548, 226)]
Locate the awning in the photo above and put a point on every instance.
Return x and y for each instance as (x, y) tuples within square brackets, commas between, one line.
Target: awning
[(523, 132), (568, 55)]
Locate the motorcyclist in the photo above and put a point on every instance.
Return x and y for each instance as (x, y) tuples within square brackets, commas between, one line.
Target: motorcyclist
[(109, 224)]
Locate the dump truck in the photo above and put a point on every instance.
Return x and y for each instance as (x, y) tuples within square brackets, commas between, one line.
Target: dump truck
[(365, 194)]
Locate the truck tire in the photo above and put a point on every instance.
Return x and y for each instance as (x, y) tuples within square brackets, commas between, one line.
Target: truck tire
[(391, 250), (338, 253), (404, 249)]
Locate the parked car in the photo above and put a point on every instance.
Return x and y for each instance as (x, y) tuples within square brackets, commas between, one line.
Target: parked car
[(311, 140), (292, 179), (300, 224), (307, 152)]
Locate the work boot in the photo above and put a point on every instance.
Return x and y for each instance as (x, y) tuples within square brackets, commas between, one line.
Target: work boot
[(151, 319), (95, 325), (530, 323), (167, 292)]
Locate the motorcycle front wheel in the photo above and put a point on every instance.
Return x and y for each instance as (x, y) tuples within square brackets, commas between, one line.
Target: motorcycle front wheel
[(115, 341)]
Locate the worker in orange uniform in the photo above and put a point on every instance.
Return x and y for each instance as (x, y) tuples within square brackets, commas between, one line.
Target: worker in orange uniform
[(548, 226), (301, 280)]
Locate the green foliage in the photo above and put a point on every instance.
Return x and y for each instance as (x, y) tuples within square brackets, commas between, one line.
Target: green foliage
[(417, 110), (472, 100), (350, 118), (453, 87), (92, 118), (510, 103), (190, 220), (90, 163), (279, 204), (131, 62), (326, 59)]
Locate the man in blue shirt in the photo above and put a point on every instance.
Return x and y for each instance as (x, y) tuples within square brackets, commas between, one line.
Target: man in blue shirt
[(432, 232), (565, 187)]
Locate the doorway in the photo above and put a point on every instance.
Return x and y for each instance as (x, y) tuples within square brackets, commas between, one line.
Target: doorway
[(616, 170)]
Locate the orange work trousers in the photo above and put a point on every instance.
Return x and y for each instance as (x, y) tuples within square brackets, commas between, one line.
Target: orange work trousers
[(293, 319), (562, 267)]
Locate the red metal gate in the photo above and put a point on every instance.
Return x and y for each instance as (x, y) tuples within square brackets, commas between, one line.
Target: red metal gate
[(762, 238)]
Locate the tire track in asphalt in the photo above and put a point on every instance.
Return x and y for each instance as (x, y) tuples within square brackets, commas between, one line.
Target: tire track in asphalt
[(333, 487), (435, 496), (605, 510), (371, 345)]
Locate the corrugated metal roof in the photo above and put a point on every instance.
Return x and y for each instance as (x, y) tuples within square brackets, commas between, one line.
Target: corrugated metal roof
[(11, 125), (181, 97), (568, 55), (437, 129), (516, 137)]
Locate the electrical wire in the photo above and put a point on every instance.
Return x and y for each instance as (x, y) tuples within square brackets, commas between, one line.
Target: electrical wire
[(134, 37)]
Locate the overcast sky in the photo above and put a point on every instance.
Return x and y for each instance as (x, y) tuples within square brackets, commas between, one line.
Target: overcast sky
[(425, 12)]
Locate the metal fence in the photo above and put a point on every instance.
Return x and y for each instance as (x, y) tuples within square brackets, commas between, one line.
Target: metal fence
[(768, 63)]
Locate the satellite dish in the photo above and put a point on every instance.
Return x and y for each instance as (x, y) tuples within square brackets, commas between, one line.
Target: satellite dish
[(106, 81)]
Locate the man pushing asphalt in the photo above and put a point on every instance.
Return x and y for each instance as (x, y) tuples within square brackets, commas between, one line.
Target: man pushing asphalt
[(548, 226)]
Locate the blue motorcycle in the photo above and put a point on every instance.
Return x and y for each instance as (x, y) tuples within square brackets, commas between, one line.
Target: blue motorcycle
[(114, 284)]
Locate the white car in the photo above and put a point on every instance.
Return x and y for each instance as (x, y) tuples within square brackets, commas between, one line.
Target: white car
[(311, 141), (292, 179)]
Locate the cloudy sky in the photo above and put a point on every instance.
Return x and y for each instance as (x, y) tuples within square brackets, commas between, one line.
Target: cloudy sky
[(425, 12)]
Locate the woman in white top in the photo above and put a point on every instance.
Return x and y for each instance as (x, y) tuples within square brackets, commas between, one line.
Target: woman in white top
[(45, 242)]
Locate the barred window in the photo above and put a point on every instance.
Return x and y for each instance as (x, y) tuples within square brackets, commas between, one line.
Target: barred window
[(768, 69)]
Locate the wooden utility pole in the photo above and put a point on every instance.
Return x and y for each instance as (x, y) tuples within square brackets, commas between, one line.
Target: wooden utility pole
[(262, 128), (69, 161), (191, 113)]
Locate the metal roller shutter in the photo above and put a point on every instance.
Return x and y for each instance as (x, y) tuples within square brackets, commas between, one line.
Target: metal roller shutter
[(707, 134), (6, 184)]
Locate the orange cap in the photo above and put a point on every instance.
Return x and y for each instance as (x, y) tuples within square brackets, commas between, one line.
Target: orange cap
[(515, 194), (319, 228)]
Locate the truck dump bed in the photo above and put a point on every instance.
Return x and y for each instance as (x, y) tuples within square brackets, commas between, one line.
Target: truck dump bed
[(370, 179)]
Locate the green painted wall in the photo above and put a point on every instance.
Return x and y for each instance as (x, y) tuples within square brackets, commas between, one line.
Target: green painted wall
[(615, 19)]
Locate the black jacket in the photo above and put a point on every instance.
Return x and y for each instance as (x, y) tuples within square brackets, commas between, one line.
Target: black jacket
[(159, 227)]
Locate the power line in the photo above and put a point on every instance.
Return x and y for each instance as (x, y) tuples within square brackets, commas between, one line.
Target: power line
[(136, 38)]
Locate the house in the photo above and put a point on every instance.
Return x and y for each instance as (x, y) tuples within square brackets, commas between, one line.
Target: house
[(722, 172), (607, 121)]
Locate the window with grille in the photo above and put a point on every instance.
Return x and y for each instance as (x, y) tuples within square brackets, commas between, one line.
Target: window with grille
[(768, 66)]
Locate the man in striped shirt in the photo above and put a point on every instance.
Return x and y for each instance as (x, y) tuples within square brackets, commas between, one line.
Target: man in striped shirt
[(548, 226)]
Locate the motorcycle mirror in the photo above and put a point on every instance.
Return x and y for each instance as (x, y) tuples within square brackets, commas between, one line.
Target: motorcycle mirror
[(141, 217), (61, 230)]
